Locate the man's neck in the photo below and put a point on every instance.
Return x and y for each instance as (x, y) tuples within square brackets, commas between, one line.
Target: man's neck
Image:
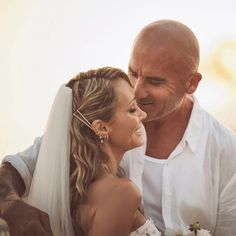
[(165, 134)]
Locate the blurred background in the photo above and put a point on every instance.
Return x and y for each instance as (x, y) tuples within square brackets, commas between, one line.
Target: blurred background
[(45, 43)]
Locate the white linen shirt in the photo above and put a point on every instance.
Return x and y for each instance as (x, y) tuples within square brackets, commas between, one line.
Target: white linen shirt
[(199, 178)]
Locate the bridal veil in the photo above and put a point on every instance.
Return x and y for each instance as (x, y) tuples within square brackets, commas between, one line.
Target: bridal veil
[(50, 185)]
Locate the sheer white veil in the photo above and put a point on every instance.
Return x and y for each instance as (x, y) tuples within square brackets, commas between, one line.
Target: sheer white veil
[(50, 186)]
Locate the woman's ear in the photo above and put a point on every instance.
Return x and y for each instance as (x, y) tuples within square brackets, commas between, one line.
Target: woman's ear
[(193, 82), (99, 126)]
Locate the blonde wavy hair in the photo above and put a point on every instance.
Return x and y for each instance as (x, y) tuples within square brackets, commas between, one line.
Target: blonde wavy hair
[(94, 96)]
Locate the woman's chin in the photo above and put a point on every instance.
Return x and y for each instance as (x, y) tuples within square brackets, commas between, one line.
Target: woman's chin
[(139, 142)]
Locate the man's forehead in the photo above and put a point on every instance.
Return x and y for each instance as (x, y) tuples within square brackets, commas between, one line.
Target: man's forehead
[(151, 61)]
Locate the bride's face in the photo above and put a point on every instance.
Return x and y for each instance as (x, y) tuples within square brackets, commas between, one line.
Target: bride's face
[(124, 129)]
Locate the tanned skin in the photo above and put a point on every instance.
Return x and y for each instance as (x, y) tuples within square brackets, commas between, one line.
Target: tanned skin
[(11, 206)]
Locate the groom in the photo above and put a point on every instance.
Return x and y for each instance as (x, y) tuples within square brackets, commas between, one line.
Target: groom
[(187, 168)]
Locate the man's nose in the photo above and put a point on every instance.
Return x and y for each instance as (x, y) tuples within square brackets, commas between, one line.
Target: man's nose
[(140, 89), (138, 83)]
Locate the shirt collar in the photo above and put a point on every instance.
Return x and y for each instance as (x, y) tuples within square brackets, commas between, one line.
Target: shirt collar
[(193, 131)]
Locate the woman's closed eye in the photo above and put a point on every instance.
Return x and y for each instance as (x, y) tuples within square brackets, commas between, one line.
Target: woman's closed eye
[(132, 110)]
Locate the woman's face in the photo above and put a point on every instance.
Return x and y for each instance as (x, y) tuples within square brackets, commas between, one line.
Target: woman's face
[(124, 129)]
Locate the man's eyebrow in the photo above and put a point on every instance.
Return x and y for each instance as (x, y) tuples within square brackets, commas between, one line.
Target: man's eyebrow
[(153, 78), (131, 70), (156, 78)]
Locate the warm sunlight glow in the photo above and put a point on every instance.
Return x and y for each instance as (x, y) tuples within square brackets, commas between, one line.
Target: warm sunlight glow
[(44, 43)]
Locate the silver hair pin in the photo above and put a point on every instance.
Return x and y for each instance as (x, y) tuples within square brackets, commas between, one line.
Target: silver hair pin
[(84, 120), (101, 136)]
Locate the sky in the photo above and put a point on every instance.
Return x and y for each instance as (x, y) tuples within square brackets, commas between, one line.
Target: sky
[(45, 43)]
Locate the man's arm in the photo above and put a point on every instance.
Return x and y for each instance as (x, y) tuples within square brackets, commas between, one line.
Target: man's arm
[(226, 212), (21, 218), (11, 183), (226, 216), (24, 163)]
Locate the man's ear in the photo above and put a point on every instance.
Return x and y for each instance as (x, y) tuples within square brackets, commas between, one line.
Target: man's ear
[(193, 82)]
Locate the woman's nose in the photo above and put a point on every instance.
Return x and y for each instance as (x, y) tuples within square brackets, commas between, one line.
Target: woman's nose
[(142, 114)]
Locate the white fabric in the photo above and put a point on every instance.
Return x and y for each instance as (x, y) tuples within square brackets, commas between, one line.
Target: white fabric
[(147, 229), (152, 199), (201, 232), (199, 178), (25, 162), (50, 185)]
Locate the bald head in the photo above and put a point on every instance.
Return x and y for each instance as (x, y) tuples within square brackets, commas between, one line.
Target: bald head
[(172, 37)]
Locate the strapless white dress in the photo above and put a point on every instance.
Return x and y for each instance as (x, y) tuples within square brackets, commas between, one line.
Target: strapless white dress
[(147, 229)]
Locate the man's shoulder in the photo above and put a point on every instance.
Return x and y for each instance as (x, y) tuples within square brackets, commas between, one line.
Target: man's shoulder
[(216, 126), (209, 122), (220, 137)]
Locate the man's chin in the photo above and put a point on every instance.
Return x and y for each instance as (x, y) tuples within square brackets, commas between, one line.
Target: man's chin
[(149, 119), (155, 118)]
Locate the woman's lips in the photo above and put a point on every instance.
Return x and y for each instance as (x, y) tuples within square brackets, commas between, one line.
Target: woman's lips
[(138, 131)]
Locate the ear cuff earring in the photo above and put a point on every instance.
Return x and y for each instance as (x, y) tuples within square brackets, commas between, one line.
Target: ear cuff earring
[(102, 136)]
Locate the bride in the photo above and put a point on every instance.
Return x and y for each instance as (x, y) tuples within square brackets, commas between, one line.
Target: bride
[(94, 120)]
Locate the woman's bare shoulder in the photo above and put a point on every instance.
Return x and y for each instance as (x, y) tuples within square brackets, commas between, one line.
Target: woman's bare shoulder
[(121, 188), (116, 201)]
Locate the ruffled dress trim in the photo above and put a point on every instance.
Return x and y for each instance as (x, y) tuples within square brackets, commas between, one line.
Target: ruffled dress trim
[(147, 229)]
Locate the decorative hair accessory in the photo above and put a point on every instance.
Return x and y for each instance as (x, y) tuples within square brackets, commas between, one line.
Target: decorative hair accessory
[(84, 120), (101, 135)]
